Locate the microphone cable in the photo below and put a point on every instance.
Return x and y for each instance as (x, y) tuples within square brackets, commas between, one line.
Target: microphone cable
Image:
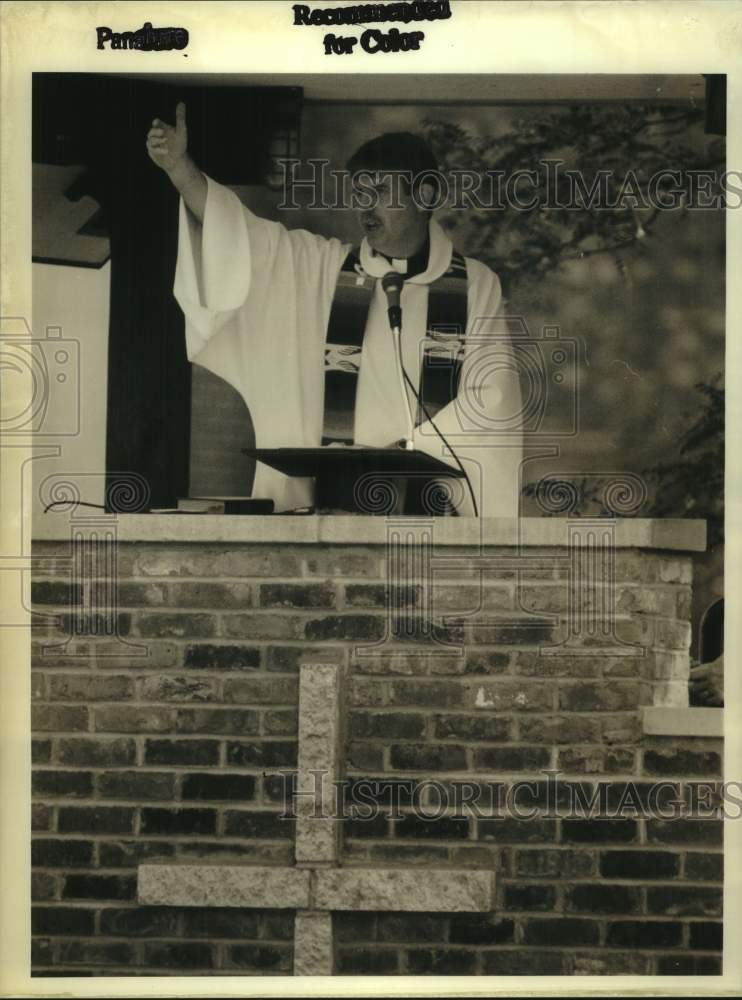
[(442, 437), (392, 283), (77, 503)]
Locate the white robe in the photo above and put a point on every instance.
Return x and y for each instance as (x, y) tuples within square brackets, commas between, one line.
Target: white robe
[(257, 297)]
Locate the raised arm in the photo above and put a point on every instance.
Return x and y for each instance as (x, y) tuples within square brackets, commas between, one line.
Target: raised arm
[(167, 146)]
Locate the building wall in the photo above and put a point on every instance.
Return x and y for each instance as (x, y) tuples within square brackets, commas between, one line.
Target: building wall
[(178, 756), (75, 300)]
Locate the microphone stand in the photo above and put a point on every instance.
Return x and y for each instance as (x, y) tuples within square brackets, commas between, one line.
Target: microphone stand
[(397, 337), (392, 285)]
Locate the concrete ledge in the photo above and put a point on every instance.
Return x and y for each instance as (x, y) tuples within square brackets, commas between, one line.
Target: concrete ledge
[(220, 885), (454, 891), (683, 722), (675, 534)]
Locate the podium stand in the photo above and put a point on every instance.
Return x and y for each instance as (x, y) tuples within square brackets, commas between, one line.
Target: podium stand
[(367, 480)]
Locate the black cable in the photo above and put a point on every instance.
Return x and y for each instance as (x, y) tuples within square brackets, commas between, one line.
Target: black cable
[(78, 503), (441, 436)]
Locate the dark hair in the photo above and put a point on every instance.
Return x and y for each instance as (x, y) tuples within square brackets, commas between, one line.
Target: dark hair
[(401, 151)]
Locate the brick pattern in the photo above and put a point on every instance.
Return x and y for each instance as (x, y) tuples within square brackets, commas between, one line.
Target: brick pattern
[(178, 756)]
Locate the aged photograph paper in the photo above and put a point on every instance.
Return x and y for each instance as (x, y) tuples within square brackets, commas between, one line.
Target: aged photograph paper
[(370, 501)]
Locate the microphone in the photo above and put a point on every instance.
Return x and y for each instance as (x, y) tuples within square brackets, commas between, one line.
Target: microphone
[(392, 285)]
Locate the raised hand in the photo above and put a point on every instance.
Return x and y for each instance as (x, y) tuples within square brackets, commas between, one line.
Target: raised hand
[(707, 682), (167, 145)]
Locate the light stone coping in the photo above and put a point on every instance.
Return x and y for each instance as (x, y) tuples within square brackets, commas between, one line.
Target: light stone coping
[(683, 721), (223, 885), (318, 765), (674, 534), (402, 890), (313, 949), (671, 695)]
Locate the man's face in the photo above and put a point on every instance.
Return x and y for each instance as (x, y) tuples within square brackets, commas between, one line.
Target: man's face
[(391, 221)]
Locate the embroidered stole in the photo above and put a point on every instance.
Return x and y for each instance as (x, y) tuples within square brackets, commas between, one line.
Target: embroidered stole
[(443, 347)]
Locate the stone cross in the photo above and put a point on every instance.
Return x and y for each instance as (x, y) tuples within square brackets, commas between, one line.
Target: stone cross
[(318, 883)]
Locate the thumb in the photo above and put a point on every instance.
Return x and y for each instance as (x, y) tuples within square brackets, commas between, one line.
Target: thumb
[(180, 115)]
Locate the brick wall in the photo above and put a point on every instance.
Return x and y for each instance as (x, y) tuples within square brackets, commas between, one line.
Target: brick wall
[(178, 756)]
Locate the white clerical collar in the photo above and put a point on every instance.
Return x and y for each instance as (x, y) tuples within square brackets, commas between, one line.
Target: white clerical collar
[(439, 259), (398, 264)]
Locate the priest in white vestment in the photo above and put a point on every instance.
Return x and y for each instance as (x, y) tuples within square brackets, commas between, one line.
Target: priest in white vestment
[(257, 299)]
